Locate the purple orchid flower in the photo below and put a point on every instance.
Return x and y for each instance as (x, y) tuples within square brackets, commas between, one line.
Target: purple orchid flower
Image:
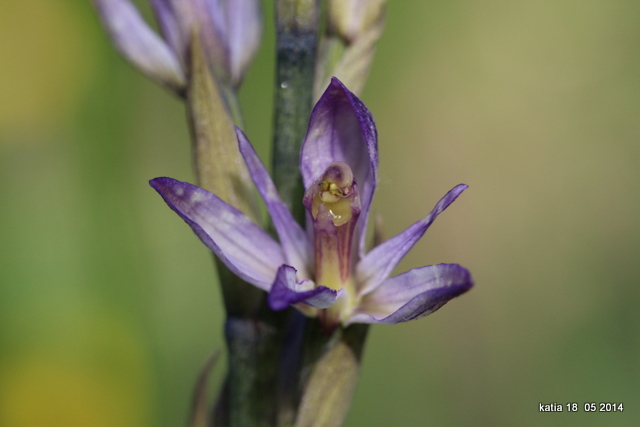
[(324, 271), (230, 29)]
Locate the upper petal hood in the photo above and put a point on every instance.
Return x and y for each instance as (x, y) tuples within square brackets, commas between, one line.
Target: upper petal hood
[(342, 129)]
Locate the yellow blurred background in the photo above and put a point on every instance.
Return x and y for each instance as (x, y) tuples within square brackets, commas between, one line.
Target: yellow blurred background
[(108, 305)]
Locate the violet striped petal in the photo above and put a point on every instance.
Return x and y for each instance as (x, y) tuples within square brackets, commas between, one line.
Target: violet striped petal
[(413, 294), (294, 240), (285, 291), (243, 246), (342, 129), (376, 266), (137, 42)]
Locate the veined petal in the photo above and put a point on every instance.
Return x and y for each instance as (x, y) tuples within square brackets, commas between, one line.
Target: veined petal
[(139, 44), (413, 294), (376, 266), (285, 291), (294, 240), (342, 129), (243, 246)]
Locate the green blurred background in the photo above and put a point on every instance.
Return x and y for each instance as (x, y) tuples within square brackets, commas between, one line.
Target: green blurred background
[(108, 305)]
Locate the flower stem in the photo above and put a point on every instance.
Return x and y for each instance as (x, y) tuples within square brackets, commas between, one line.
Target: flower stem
[(248, 397), (296, 45), (252, 332)]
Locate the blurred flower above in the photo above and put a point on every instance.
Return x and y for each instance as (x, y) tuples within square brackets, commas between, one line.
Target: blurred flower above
[(326, 271), (230, 32)]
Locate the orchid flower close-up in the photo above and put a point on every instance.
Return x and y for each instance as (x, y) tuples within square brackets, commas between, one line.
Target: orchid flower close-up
[(325, 270)]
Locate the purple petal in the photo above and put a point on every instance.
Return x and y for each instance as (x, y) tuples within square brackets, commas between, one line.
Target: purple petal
[(139, 44), (285, 291), (342, 129), (232, 31), (413, 294), (243, 246), (376, 266), (169, 24), (244, 26), (186, 14), (294, 240), (211, 17)]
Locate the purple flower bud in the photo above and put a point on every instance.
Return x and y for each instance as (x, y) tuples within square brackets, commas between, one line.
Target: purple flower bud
[(137, 42), (230, 31)]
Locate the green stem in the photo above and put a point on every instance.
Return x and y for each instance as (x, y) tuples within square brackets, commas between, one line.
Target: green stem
[(252, 331), (296, 45), (248, 397)]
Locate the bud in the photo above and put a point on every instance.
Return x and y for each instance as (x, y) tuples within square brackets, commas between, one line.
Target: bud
[(140, 45), (347, 49), (230, 32), (351, 18)]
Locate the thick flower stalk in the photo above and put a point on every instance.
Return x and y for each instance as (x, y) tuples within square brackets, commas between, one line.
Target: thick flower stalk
[(230, 32), (326, 270)]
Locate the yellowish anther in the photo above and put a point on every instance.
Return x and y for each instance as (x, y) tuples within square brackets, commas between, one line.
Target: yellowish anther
[(335, 187), (331, 194)]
